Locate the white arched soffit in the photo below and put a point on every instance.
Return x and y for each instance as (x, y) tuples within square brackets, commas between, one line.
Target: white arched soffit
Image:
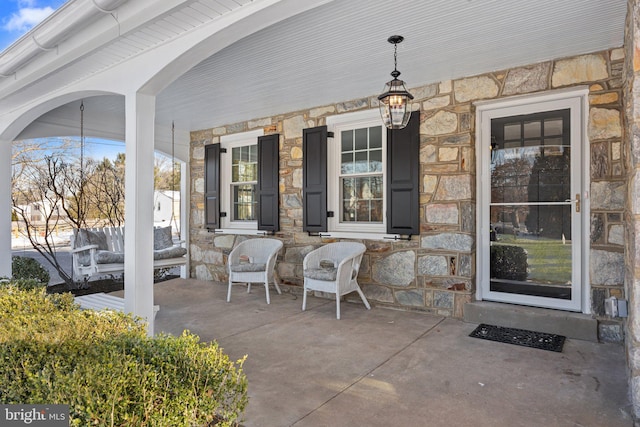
[(232, 27), (19, 122), (60, 116)]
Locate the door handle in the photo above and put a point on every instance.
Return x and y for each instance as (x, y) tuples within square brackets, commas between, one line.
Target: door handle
[(576, 200)]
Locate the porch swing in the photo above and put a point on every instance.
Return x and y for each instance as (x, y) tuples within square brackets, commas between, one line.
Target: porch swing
[(99, 251)]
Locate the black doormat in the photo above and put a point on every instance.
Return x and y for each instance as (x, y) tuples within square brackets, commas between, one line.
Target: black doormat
[(522, 337)]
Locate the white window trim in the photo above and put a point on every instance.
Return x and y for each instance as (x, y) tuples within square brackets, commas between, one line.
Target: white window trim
[(228, 142), (336, 124), (577, 99)]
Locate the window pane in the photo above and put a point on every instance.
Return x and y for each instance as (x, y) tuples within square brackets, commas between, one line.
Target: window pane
[(361, 165), (375, 161), (347, 163), (347, 140), (362, 199), (376, 211), (553, 127), (512, 131), (376, 187), (244, 163), (362, 140), (375, 137), (532, 129), (244, 202)]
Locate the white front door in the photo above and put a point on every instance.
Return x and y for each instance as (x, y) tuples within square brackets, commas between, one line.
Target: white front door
[(532, 172)]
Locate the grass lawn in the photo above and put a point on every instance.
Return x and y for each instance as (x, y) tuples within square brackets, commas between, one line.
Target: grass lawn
[(549, 259)]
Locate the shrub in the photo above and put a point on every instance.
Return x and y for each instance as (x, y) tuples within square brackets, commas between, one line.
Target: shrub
[(109, 372), (509, 262), (29, 268)]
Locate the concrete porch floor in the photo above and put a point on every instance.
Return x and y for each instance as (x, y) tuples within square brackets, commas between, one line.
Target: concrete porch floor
[(391, 368)]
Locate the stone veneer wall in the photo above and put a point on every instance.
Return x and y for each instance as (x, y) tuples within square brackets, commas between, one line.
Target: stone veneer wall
[(632, 212), (435, 272)]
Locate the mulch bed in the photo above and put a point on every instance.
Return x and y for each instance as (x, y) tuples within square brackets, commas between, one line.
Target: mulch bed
[(96, 286)]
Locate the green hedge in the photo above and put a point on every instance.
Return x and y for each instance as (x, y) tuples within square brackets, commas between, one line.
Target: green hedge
[(103, 365), (509, 262), (26, 268)]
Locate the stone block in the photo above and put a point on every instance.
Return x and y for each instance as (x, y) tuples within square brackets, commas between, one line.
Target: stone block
[(445, 213), (202, 272), (356, 104), (447, 154), (429, 183), (322, 111), (377, 293), (454, 187), (412, 298), (436, 103), (296, 254), (580, 69), (616, 235), (597, 228), (608, 195), (604, 123), (532, 78), (433, 265), (423, 92), (606, 268), (441, 123), (293, 127), (397, 269), (454, 242), (475, 88), (443, 299), (610, 332)]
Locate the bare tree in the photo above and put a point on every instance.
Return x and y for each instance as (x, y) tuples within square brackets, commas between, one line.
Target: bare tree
[(106, 193), (32, 191)]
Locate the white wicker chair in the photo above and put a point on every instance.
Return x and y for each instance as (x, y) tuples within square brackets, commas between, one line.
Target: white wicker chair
[(333, 268), (254, 261)]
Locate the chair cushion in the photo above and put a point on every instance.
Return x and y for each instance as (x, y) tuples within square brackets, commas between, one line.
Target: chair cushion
[(172, 252), (86, 238), (162, 238), (247, 267), (328, 273), (108, 257)]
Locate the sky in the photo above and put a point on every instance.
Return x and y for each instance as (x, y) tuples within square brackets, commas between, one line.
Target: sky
[(19, 16)]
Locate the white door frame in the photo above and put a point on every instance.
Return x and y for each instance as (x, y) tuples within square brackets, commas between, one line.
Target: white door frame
[(577, 99)]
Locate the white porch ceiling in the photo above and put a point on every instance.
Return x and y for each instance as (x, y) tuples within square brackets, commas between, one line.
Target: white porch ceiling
[(335, 52)]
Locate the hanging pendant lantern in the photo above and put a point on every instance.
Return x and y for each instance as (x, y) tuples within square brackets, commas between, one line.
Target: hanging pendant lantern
[(395, 106)]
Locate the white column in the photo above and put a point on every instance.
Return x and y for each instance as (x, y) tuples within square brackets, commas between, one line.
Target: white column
[(185, 198), (5, 212), (138, 217)]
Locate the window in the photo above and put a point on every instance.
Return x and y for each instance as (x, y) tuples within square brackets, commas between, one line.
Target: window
[(239, 179), (359, 177), (356, 190), (241, 176)]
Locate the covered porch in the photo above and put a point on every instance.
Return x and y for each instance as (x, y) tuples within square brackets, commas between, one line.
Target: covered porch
[(390, 367)]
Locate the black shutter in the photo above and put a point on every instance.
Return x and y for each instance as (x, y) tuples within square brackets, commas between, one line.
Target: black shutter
[(403, 178), (212, 185), (268, 182), (314, 179)]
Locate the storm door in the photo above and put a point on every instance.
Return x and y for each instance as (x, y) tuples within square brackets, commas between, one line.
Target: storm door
[(532, 220)]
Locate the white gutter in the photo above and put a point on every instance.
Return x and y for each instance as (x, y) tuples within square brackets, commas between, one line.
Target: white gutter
[(71, 17)]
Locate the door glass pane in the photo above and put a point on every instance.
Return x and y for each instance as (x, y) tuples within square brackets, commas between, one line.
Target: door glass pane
[(530, 211)]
